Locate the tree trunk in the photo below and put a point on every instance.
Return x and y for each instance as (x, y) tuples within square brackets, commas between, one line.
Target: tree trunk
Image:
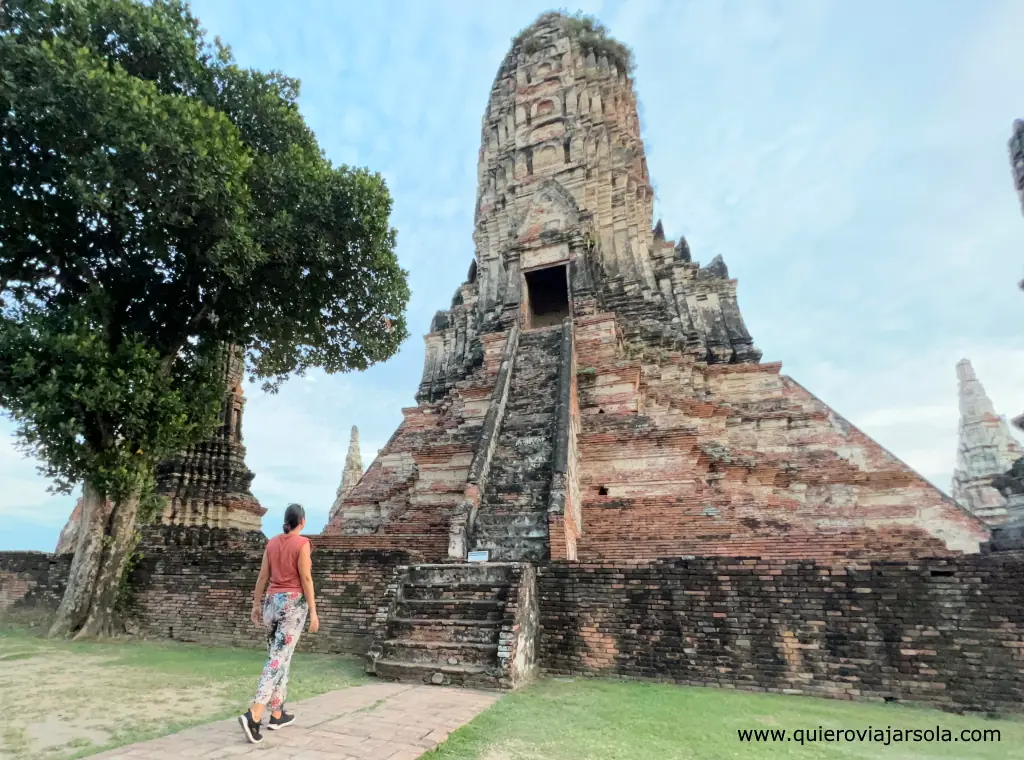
[(117, 547), (85, 567)]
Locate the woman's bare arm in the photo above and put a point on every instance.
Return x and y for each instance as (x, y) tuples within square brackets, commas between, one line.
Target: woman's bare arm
[(306, 577), (261, 586)]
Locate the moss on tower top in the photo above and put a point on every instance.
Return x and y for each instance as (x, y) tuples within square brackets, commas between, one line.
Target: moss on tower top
[(586, 31)]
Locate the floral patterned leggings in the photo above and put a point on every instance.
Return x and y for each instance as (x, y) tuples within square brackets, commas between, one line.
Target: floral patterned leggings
[(284, 615)]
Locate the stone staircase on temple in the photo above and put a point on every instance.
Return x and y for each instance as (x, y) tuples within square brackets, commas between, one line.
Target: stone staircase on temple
[(445, 626), (512, 521)]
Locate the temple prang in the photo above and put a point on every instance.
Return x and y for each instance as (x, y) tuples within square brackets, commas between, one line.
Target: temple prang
[(208, 484), (985, 449), (593, 392), (351, 474)]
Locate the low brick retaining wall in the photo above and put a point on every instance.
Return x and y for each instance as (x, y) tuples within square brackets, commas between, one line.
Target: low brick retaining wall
[(948, 632)]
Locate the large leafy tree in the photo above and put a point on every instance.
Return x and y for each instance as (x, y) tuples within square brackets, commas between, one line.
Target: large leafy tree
[(158, 203)]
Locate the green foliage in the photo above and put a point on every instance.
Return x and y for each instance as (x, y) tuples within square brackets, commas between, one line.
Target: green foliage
[(592, 37), (589, 34), (532, 45), (92, 411), (160, 202)]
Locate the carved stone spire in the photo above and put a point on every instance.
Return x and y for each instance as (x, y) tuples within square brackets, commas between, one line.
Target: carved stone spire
[(985, 449), (352, 474), (208, 484)]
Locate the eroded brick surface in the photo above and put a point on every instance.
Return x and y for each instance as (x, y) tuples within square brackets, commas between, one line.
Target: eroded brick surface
[(31, 583), (678, 457)]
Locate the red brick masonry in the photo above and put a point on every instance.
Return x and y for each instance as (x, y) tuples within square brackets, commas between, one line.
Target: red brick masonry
[(946, 631)]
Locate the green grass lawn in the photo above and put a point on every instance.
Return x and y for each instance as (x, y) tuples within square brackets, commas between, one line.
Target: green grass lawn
[(75, 699), (606, 720)]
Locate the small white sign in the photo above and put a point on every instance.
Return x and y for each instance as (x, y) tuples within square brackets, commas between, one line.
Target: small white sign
[(479, 556)]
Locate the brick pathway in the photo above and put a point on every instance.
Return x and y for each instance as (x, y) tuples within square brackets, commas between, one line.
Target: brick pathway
[(374, 722)]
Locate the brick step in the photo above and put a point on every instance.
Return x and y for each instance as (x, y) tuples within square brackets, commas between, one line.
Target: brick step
[(508, 480), (497, 534), (497, 574), (459, 591), (509, 492), (508, 468), (507, 440), (467, 676), (488, 518), (540, 335), (500, 530), (450, 609), (441, 652), (506, 548), (527, 424), (526, 502), (452, 629), (529, 502), (529, 411), (508, 474)]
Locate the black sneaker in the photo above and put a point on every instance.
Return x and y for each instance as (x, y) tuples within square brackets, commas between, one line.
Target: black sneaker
[(285, 720), (250, 727)]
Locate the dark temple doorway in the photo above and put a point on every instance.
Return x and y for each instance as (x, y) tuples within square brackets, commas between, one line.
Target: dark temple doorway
[(547, 292)]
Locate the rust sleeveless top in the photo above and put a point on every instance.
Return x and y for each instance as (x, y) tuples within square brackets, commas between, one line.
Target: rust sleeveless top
[(283, 556)]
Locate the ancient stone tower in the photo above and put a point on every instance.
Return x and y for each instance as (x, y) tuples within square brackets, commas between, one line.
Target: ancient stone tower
[(352, 473), (208, 484), (592, 391), (985, 449)]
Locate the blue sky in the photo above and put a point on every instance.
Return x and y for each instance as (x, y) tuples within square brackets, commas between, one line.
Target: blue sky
[(848, 160)]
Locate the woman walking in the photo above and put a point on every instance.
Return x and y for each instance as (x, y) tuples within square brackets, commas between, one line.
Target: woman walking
[(289, 599)]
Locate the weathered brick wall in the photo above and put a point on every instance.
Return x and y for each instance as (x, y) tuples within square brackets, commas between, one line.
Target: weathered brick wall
[(947, 631), (31, 584), (190, 590)]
